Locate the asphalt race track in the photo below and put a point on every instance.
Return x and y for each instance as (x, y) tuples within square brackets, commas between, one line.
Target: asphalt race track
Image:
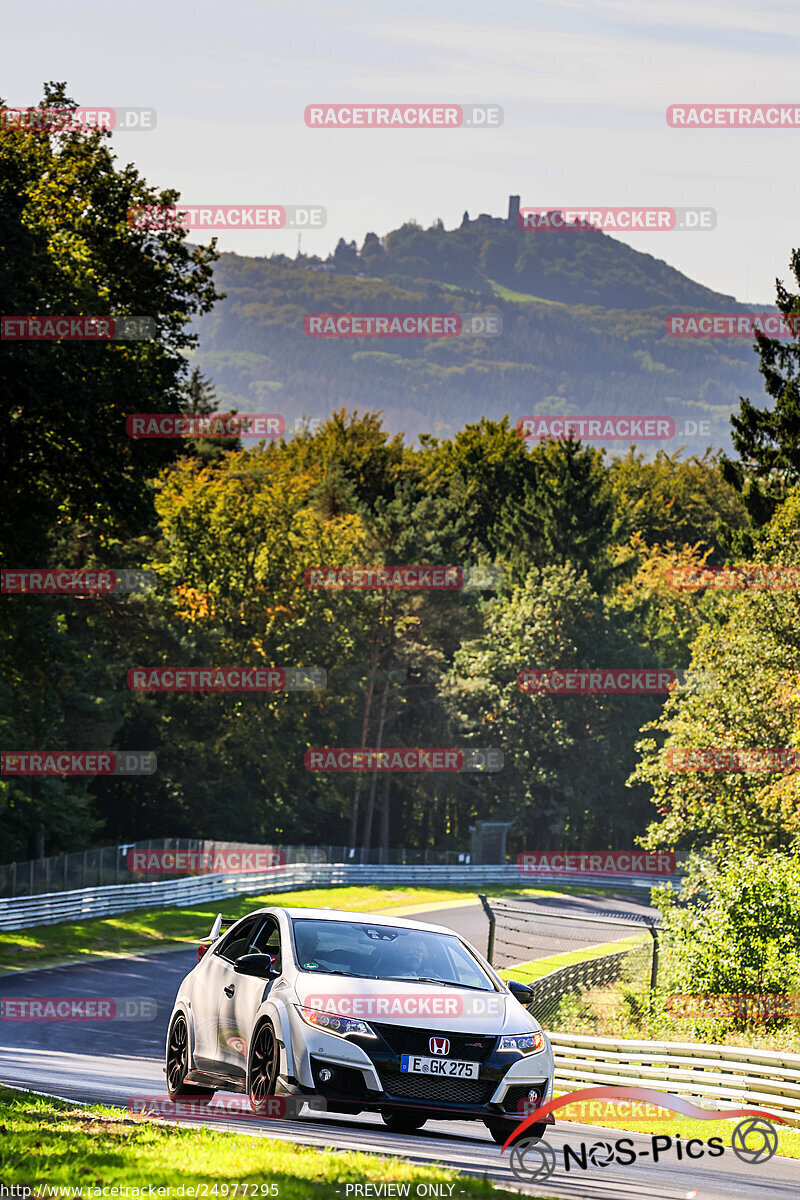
[(553, 937), (113, 1061)]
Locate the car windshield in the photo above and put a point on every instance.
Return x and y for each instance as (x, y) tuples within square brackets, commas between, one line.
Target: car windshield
[(385, 952)]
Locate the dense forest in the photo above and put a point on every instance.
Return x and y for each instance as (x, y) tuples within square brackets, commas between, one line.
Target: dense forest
[(585, 548)]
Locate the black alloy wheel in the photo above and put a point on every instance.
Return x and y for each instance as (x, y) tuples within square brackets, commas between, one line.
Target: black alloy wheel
[(263, 1071), (178, 1066)]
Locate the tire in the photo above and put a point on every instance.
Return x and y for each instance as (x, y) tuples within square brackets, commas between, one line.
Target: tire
[(262, 1070), (403, 1122), (178, 1066), (501, 1131)]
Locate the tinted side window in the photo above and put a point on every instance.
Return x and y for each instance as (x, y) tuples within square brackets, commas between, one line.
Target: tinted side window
[(268, 940), (237, 941)]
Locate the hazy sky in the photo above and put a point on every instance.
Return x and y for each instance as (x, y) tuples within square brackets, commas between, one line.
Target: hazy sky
[(584, 85)]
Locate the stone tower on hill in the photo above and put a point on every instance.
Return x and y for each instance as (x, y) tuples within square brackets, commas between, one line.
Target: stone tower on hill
[(486, 219)]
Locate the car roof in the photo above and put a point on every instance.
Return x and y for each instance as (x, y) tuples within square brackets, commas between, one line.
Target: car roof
[(362, 918)]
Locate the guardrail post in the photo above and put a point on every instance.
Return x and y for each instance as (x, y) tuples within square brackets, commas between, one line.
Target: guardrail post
[(487, 908)]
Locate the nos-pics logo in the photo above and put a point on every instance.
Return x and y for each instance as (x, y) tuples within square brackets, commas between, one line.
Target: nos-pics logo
[(754, 1139)]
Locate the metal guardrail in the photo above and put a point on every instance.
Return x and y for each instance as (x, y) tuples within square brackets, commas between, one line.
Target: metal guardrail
[(23, 912), (724, 1075)]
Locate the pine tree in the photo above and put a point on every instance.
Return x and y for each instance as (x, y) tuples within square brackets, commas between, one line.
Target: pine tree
[(768, 439)]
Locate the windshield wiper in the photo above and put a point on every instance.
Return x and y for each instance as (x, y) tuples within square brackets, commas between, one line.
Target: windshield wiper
[(350, 974), (441, 982)]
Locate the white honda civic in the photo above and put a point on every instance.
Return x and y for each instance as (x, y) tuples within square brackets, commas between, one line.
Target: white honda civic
[(363, 1012)]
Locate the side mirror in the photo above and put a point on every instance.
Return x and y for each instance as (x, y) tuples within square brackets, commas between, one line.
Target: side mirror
[(520, 990), (261, 966)]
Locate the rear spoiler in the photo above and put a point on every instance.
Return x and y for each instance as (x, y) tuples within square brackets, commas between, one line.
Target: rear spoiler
[(220, 926)]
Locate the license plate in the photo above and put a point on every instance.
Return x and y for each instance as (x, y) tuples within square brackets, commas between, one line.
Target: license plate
[(438, 1066)]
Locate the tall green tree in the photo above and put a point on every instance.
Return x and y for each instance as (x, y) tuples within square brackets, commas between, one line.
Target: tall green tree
[(67, 247), (76, 487), (768, 439), (565, 514), (566, 756), (747, 656)]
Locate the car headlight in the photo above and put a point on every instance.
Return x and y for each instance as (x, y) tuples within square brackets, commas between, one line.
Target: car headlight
[(331, 1023), (524, 1043)]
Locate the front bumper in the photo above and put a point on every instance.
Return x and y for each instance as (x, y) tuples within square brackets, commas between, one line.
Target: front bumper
[(366, 1073)]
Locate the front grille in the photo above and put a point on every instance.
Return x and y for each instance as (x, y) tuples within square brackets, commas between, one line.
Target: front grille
[(437, 1088), (516, 1100), (469, 1047)]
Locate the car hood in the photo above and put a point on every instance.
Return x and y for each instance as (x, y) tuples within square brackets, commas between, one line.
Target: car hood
[(424, 1006)]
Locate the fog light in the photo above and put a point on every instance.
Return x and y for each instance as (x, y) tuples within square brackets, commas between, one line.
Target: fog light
[(325, 1075)]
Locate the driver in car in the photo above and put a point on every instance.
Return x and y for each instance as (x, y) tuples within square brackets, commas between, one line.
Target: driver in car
[(412, 961), (318, 957)]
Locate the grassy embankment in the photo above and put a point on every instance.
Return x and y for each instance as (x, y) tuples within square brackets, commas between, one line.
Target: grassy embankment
[(50, 1142), (149, 929)]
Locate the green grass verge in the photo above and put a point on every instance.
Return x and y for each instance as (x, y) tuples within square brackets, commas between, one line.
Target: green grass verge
[(530, 971), (49, 1141), (148, 929)]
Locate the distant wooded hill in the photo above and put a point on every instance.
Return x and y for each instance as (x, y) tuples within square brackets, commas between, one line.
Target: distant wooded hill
[(583, 319)]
